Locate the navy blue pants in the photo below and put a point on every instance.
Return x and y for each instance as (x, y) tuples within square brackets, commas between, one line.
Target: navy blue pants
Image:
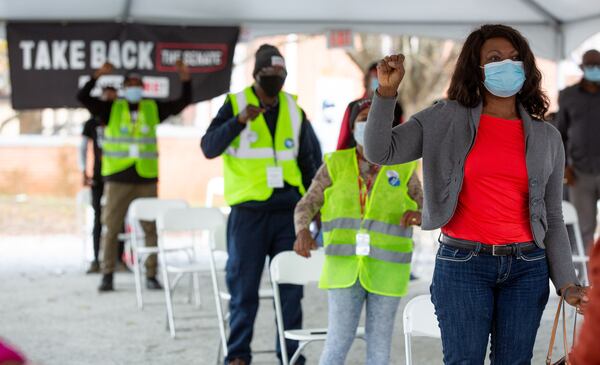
[(252, 235), (476, 296)]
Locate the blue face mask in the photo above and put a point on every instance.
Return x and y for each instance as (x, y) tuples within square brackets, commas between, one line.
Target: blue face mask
[(504, 78), (591, 73), (374, 84), (359, 132), (133, 94)]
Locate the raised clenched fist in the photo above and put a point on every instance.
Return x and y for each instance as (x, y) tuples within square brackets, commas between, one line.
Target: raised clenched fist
[(249, 114), (107, 68), (390, 72)]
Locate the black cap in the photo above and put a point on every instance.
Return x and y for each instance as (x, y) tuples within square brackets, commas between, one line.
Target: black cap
[(132, 75), (267, 56)]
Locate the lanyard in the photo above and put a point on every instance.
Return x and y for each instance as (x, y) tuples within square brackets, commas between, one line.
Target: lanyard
[(267, 108), (365, 188)]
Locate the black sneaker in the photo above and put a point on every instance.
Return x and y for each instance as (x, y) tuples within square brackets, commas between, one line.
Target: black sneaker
[(153, 284), (107, 283)]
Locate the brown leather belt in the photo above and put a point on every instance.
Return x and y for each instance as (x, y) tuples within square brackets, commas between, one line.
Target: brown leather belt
[(493, 250)]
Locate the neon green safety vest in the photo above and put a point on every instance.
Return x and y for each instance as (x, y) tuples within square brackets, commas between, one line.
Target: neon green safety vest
[(386, 270), (247, 158), (127, 144)]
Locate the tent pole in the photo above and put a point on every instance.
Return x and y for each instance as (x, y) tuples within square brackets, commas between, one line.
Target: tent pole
[(126, 14)]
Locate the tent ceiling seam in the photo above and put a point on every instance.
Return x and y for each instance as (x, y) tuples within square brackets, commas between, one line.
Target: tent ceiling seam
[(541, 10), (583, 19)]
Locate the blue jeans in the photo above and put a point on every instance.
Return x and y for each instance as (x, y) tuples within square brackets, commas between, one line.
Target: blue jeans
[(345, 306), (476, 296), (252, 235)]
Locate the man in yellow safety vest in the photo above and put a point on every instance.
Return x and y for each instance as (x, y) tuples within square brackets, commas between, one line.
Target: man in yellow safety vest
[(270, 155), (130, 158)]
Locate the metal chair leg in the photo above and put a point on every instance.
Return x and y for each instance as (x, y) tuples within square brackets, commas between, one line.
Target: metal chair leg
[(138, 279), (408, 349), (298, 352), (196, 287), (169, 302)]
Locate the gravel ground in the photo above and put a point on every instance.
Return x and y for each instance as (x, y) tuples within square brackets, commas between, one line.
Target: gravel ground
[(51, 310)]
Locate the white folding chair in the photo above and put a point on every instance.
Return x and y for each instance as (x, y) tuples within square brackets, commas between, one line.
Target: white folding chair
[(85, 220), (185, 220), (290, 268), (420, 321), (571, 218), (215, 188), (218, 259), (145, 209)]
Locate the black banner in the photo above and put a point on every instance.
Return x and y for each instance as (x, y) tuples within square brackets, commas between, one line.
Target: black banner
[(49, 62)]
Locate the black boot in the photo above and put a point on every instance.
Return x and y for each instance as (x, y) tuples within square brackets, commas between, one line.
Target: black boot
[(153, 284), (107, 283), (94, 268)]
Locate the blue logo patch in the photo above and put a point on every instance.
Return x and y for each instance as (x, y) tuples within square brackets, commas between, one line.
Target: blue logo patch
[(393, 178), (289, 143)]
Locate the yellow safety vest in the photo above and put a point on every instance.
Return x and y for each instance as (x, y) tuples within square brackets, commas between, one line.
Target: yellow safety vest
[(386, 269), (127, 144), (250, 154)]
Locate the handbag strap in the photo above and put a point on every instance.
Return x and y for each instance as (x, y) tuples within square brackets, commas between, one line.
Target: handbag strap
[(564, 325), (553, 333), (561, 312), (575, 328)]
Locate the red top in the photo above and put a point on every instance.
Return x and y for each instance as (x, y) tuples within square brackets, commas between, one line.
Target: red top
[(493, 205)]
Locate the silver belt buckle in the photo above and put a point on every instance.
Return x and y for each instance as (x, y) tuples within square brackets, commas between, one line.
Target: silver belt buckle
[(494, 250)]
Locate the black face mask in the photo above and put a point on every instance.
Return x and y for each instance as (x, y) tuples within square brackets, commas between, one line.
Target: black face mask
[(271, 85)]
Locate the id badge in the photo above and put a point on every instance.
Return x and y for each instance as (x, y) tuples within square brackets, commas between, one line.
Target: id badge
[(363, 241), (275, 177), (134, 151)]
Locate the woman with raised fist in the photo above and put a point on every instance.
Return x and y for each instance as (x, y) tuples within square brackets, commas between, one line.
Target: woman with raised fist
[(493, 175)]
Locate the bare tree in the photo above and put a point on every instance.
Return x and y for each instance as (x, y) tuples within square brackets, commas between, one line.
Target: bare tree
[(429, 64)]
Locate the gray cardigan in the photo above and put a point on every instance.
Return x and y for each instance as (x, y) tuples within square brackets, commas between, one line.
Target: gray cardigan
[(443, 135)]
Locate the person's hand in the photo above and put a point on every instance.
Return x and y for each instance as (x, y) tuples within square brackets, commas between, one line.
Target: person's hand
[(390, 72), (87, 181), (107, 68), (304, 243), (183, 70), (249, 114), (410, 218), (576, 296), (569, 176)]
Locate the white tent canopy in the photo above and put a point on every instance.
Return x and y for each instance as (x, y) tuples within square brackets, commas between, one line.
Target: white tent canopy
[(554, 27)]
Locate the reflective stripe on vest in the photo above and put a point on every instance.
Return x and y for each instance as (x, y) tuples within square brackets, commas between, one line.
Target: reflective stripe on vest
[(129, 140), (255, 153), (369, 225), (244, 150), (249, 156), (151, 155), (374, 252), (386, 268), (127, 144)]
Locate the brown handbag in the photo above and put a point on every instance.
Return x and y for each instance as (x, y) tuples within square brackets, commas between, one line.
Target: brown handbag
[(560, 312)]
